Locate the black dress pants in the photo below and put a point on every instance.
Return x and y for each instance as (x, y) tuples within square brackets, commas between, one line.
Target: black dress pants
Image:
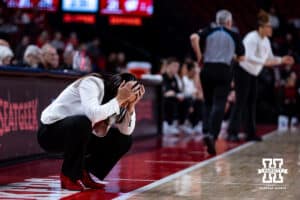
[(245, 106), (171, 109), (215, 79), (81, 149)]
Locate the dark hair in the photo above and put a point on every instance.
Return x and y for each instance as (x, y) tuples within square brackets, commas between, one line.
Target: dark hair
[(190, 66), (113, 82), (172, 60), (262, 18)]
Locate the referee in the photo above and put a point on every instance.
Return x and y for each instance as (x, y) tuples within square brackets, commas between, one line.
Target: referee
[(219, 46)]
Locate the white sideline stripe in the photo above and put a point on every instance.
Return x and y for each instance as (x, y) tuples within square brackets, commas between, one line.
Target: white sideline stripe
[(187, 170), (230, 183), (128, 179)]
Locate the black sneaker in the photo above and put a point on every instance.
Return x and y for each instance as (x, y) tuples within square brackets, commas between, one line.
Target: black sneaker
[(210, 143), (254, 138), (233, 138)]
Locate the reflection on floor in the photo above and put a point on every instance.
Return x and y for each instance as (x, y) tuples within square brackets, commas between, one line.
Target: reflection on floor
[(237, 177), (148, 161)]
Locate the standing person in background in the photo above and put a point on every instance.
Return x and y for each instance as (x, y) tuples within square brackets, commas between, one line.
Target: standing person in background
[(220, 45), (258, 54), (171, 97)]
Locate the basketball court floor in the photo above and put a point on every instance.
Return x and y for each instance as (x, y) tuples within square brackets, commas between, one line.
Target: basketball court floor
[(177, 168)]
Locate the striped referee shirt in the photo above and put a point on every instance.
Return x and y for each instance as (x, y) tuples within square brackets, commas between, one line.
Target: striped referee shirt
[(220, 45)]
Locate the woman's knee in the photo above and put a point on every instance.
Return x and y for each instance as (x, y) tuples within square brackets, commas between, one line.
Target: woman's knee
[(79, 127), (82, 123), (125, 142)]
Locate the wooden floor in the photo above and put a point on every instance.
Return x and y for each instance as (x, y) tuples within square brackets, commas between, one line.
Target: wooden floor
[(172, 167), (234, 174)]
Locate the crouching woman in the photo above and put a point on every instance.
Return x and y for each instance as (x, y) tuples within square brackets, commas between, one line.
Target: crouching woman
[(91, 123)]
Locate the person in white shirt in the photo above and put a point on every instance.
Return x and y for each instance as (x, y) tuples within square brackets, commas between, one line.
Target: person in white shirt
[(191, 106), (77, 123), (258, 54)]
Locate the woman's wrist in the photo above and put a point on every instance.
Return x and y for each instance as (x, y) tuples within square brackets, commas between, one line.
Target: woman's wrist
[(131, 109), (120, 101)]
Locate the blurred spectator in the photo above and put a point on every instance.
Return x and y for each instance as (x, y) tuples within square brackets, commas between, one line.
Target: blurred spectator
[(285, 72), (198, 81), (4, 43), (8, 27), (6, 55), (57, 42), (189, 86), (42, 39), (163, 66), (192, 104), (72, 42), (39, 20), (50, 58), (81, 62), (22, 18), (68, 60), (21, 48), (172, 97), (289, 46), (111, 66), (94, 51), (288, 112), (32, 57), (182, 72), (274, 20), (121, 62)]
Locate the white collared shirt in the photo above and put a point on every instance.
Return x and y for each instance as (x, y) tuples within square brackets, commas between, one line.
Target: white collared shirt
[(257, 52), (189, 88), (84, 97)]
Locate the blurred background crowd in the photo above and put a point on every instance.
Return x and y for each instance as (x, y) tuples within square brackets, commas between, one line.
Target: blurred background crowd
[(37, 40)]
